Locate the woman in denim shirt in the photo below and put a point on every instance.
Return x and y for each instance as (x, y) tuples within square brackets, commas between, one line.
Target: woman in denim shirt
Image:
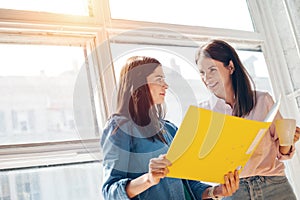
[(136, 139)]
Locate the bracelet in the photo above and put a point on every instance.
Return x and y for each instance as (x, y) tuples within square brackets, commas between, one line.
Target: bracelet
[(210, 193)]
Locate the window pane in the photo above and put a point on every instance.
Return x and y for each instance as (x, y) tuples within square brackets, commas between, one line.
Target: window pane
[(231, 14), (45, 94), (256, 66), (74, 7), (182, 76), (76, 182)]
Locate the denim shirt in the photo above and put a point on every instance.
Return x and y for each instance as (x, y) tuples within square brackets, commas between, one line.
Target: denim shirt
[(126, 155)]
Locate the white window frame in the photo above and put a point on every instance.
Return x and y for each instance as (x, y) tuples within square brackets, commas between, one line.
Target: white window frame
[(276, 62), (26, 27)]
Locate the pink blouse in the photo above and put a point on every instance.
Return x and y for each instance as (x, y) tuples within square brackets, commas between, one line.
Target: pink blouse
[(266, 159)]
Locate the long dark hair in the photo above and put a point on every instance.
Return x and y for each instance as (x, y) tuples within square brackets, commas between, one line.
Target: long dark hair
[(242, 83), (134, 100)]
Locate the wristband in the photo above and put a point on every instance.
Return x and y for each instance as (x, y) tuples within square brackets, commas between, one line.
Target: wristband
[(210, 193)]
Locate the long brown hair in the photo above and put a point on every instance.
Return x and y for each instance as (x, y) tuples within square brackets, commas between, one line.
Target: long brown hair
[(134, 100), (242, 83)]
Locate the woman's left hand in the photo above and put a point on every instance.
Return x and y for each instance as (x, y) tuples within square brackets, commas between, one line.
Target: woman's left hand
[(230, 186)]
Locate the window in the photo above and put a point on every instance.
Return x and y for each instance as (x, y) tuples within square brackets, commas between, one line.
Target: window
[(51, 110), (27, 186), (2, 123), (77, 7), (41, 94), (4, 188), (213, 13), (77, 182), (60, 62)]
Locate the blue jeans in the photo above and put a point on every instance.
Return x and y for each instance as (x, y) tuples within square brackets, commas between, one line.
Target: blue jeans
[(264, 188)]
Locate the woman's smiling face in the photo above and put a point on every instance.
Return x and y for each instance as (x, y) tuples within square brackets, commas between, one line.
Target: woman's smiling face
[(215, 75)]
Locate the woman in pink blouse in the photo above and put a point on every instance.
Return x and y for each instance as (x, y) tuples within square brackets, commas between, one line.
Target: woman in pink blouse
[(224, 75)]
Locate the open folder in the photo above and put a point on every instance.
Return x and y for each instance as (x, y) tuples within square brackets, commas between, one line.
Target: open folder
[(208, 144)]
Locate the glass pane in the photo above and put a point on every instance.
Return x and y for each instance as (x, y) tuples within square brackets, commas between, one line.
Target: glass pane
[(45, 94), (73, 7), (76, 182), (182, 76), (231, 14), (255, 64)]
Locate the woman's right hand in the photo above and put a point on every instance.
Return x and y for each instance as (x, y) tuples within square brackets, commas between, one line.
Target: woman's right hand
[(158, 168), (230, 186)]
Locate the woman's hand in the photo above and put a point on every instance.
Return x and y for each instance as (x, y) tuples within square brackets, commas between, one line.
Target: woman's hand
[(158, 168), (286, 150), (230, 186), (297, 134)]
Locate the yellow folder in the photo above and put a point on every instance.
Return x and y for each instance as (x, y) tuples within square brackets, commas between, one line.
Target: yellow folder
[(208, 144)]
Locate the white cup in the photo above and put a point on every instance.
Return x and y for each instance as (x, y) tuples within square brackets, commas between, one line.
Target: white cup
[(285, 129)]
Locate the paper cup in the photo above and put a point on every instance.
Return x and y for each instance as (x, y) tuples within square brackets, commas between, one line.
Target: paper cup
[(285, 129)]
